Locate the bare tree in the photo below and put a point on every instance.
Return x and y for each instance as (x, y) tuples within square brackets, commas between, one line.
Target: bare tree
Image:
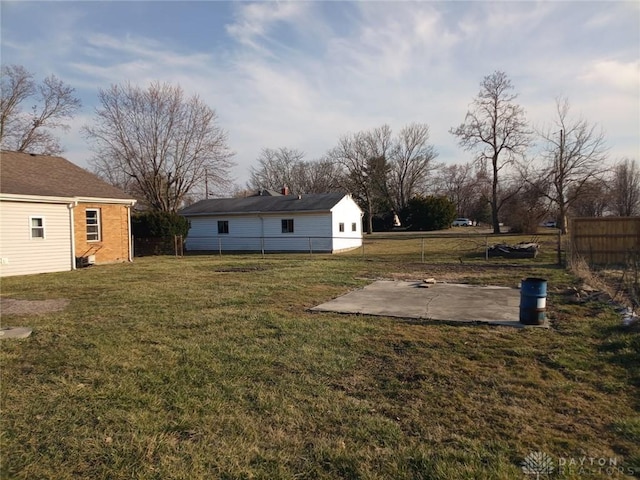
[(496, 129), (594, 199), (31, 131), (456, 182), (286, 167), (158, 143), (625, 188), (363, 158), (319, 176), (574, 152), (276, 169), (411, 162)]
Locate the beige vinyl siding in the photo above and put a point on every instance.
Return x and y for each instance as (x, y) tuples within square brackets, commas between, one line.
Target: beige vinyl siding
[(21, 254)]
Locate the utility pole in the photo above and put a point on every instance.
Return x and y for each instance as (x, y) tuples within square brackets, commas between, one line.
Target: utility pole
[(206, 183), (560, 185)]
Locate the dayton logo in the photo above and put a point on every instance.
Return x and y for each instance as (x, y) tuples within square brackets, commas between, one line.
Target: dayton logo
[(538, 463)]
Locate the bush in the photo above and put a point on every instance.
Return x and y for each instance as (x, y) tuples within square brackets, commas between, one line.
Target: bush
[(158, 224), (428, 213), (383, 222)]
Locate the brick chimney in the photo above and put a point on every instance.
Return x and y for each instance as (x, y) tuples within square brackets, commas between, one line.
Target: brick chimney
[(285, 190)]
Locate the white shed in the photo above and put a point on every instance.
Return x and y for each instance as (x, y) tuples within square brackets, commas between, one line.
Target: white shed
[(330, 222)]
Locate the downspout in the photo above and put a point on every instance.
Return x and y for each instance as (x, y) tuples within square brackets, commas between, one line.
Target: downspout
[(71, 206), (129, 232)]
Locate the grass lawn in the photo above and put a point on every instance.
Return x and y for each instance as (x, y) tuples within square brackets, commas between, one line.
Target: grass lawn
[(212, 367)]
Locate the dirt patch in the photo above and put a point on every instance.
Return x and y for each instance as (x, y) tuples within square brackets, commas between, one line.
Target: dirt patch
[(240, 269), (11, 306)]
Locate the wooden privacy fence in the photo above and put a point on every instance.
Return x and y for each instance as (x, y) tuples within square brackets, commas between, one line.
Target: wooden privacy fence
[(605, 240)]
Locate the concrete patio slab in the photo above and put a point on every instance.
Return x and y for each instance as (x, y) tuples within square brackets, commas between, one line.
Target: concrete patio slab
[(441, 301)]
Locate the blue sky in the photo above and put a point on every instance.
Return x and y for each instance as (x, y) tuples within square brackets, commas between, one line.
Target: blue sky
[(301, 74)]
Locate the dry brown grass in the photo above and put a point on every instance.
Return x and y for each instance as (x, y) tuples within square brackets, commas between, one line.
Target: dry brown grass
[(212, 367)]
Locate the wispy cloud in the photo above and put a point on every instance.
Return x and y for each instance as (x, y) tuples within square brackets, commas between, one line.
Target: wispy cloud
[(301, 74), (254, 21), (624, 76)]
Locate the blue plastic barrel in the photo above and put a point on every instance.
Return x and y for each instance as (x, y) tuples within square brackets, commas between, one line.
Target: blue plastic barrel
[(533, 301)]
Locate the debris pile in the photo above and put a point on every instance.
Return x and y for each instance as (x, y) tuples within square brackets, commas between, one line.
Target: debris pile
[(520, 250), (629, 317), (586, 293)]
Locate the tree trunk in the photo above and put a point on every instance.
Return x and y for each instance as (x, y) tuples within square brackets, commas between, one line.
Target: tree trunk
[(494, 196), (563, 223)]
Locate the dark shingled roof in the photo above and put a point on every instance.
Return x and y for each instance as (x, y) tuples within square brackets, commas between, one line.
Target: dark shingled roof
[(262, 204), (44, 175)]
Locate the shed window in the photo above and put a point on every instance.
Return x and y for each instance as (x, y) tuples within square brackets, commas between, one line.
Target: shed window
[(354, 227), (37, 227), (287, 225), (93, 224), (341, 227), (223, 227)]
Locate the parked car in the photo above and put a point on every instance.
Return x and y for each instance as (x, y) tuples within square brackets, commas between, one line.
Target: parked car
[(550, 224), (462, 222)]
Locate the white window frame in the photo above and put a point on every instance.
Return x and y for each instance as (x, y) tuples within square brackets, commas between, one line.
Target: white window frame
[(341, 227), (223, 224), (98, 224), (285, 226), (40, 227)]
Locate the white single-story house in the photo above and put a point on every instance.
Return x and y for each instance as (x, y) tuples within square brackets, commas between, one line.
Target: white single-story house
[(55, 215), (329, 223)]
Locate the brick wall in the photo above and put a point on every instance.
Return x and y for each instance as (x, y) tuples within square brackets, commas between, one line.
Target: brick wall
[(113, 245)]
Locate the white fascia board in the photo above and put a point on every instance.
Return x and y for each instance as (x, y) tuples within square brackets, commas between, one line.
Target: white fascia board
[(123, 201), (14, 197)]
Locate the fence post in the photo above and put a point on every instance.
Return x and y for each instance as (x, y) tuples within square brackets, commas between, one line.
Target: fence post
[(559, 248), (486, 248), (219, 246), (363, 247), (179, 245), (422, 250), (262, 246)]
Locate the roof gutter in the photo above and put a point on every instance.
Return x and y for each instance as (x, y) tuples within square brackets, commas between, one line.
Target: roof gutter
[(15, 197), (256, 212), (125, 201)]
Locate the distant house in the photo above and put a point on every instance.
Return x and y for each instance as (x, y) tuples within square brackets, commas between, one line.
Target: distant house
[(55, 215), (271, 222)]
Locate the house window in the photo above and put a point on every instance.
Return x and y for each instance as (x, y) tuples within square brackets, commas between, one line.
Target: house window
[(223, 227), (341, 227), (37, 227), (93, 224), (287, 226), (354, 227)]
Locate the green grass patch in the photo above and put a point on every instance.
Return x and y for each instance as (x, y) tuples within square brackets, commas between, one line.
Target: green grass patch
[(212, 367)]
